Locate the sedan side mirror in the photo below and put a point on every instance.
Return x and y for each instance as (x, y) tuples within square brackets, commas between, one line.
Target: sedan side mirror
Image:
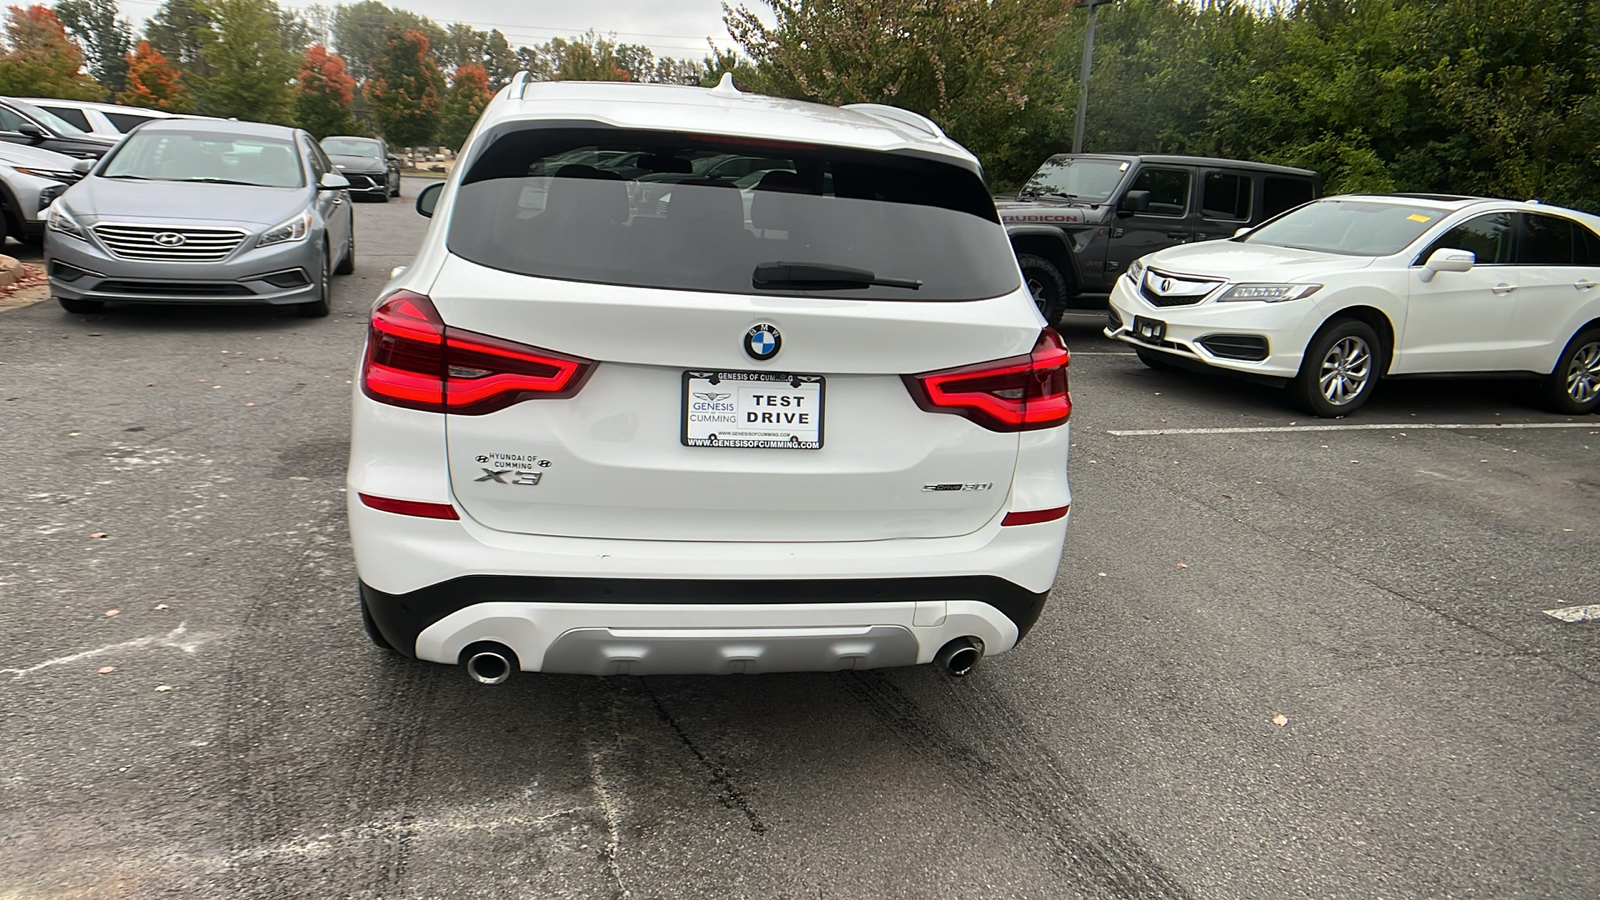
[(28, 129), (428, 198), (1134, 202), (1445, 259), (333, 181)]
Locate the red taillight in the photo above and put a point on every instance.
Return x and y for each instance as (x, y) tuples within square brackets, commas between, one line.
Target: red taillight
[(1021, 393), (410, 507), (416, 361)]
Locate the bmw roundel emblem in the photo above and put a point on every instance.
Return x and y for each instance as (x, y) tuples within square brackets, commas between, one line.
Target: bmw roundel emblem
[(762, 341)]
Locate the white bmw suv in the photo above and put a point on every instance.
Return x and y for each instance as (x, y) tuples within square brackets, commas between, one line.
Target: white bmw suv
[(1334, 295), (808, 421)]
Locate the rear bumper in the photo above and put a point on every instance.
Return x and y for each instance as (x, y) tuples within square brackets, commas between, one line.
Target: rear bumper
[(609, 626)]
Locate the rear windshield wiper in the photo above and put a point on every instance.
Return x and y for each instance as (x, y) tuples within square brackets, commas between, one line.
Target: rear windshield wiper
[(821, 277)]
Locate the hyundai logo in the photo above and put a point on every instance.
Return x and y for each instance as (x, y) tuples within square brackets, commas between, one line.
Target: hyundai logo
[(170, 239), (762, 341)]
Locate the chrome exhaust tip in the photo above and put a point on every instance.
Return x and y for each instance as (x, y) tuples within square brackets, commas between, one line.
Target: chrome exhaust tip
[(959, 657), (490, 663)]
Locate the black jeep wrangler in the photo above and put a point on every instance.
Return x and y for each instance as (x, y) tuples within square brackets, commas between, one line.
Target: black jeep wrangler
[(1082, 218)]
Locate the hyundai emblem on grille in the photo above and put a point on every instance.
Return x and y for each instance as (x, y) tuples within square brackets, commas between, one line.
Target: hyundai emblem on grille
[(169, 239)]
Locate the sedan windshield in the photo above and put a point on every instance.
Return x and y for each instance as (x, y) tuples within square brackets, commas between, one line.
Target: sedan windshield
[(1077, 178), (206, 156), (351, 147), (1349, 227)]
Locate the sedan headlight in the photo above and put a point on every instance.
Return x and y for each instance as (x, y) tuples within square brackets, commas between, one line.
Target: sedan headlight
[(52, 174), (1268, 293), (1136, 270), (62, 222), (294, 229)]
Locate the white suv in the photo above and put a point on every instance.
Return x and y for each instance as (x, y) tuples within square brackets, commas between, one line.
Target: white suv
[(1334, 295), (814, 423)]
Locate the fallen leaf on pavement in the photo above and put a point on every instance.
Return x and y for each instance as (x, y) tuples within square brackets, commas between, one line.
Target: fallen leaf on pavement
[(99, 534), (163, 688), (160, 606), (1280, 720), (1183, 565), (112, 612), (106, 670)]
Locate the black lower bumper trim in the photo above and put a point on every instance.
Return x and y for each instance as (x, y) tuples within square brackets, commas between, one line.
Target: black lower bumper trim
[(402, 617)]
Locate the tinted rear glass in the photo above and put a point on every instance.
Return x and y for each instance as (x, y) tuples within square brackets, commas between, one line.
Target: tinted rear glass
[(666, 210), (1283, 194), (75, 116), (127, 122)]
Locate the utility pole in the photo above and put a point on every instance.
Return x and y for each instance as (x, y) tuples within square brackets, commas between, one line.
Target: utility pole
[(1083, 78)]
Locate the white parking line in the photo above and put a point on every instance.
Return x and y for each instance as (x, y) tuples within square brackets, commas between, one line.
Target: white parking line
[(1387, 426), (1590, 613)]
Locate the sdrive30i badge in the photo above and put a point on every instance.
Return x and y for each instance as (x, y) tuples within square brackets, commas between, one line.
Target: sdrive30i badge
[(763, 341)]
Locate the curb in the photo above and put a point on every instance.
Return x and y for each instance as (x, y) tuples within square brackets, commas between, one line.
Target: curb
[(10, 271)]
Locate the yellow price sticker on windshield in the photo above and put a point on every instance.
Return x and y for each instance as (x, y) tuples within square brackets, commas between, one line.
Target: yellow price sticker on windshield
[(1416, 218)]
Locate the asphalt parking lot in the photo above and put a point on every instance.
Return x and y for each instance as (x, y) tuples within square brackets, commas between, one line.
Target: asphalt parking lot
[(1284, 658)]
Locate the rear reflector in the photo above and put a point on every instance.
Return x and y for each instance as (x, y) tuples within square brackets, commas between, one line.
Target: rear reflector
[(416, 361), (410, 507), (1021, 393), (1035, 516)]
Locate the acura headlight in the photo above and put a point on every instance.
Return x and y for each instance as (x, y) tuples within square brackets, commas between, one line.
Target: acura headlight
[(294, 229), (1136, 270), (62, 222), (1268, 293)]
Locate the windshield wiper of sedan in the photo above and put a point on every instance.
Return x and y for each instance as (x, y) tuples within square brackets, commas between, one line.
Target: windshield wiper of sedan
[(822, 277), (133, 177), (224, 181)]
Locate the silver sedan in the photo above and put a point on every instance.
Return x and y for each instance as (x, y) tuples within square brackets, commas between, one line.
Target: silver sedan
[(188, 211)]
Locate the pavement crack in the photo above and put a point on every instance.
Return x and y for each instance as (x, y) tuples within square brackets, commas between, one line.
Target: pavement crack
[(608, 804), (730, 794)]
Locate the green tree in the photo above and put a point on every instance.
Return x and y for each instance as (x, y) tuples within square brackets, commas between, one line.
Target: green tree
[(404, 90), (323, 93), (155, 83), (977, 67), (469, 94), (249, 65), (180, 30), (361, 32), (105, 38), (39, 59)]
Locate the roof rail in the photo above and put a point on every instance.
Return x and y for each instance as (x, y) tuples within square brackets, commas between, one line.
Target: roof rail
[(898, 116), (519, 84)]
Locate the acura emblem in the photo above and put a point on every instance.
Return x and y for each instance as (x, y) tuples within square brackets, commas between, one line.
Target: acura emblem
[(170, 239), (1166, 285), (762, 341)]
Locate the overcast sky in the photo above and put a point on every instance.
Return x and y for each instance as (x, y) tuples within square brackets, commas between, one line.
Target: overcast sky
[(669, 27)]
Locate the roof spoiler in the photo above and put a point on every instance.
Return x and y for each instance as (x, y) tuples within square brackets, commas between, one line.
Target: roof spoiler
[(899, 116)]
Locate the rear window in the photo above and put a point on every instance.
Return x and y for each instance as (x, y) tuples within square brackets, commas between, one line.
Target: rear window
[(1283, 194), (75, 116), (127, 122), (688, 212)]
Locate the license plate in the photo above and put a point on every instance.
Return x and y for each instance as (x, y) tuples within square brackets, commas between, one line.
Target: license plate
[(759, 410), (1152, 331)]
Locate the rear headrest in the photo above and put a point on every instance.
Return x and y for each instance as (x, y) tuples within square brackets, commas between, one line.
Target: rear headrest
[(584, 195), (771, 203), (705, 205)]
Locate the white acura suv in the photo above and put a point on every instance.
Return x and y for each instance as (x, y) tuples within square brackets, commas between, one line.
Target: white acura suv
[(1334, 295), (810, 421)]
